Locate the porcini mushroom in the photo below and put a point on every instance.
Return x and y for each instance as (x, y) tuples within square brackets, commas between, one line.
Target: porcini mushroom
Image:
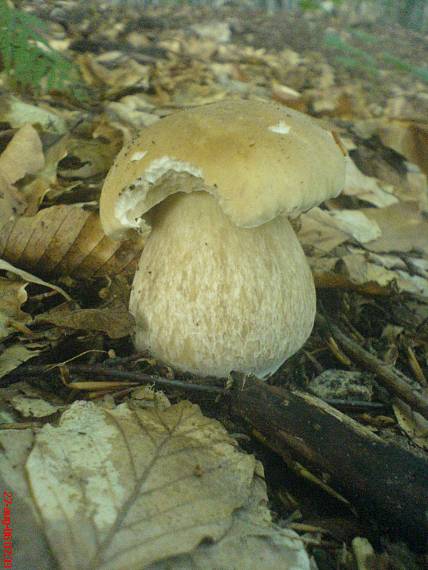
[(223, 284)]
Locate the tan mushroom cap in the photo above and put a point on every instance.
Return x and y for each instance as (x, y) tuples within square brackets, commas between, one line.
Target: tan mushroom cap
[(258, 159)]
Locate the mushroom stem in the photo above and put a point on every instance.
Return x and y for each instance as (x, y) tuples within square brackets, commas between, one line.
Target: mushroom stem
[(210, 297)]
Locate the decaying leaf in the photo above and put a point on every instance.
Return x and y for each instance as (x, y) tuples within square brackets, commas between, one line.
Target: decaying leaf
[(28, 401), (159, 483), (66, 240)]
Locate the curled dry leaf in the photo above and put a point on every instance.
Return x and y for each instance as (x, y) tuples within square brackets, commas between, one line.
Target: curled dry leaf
[(5, 266), (66, 240), (159, 483)]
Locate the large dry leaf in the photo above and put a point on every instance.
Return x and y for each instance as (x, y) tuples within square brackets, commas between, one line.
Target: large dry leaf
[(30, 546), (251, 543), (119, 489), (66, 240)]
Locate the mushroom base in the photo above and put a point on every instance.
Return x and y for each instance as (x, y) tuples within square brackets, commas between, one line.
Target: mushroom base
[(210, 297)]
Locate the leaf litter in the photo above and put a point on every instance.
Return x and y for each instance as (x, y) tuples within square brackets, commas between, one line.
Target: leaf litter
[(367, 249)]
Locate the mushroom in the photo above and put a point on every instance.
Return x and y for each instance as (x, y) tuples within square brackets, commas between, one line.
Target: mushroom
[(222, 284)]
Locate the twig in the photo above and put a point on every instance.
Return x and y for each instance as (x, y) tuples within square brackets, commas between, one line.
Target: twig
[(101, 372), (355, 406), (391, 378)]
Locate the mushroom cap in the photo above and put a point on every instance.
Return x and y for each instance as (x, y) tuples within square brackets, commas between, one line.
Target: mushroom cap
[(258, 159)]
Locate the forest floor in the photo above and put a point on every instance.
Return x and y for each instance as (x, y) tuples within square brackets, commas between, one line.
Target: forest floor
[(368, 250)]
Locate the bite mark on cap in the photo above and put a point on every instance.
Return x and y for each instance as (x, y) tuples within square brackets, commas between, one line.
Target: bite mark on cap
[(281, 128)]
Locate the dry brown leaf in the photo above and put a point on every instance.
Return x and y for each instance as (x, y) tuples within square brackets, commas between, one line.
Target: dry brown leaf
[(385, 270), (318, 233), (29, 401), (18, 113), (23, 155), (133, 110), (408, 138), (11, 202), (34, 552), (412, 423), (403, 228), (354, 223), (12, 296), (128, 73), (66, 240), (13, 356), (250, 543), (113, 319), (46, 178), (94, 156), (6, 266), (367, 188), (217, 31), (159, 483)]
